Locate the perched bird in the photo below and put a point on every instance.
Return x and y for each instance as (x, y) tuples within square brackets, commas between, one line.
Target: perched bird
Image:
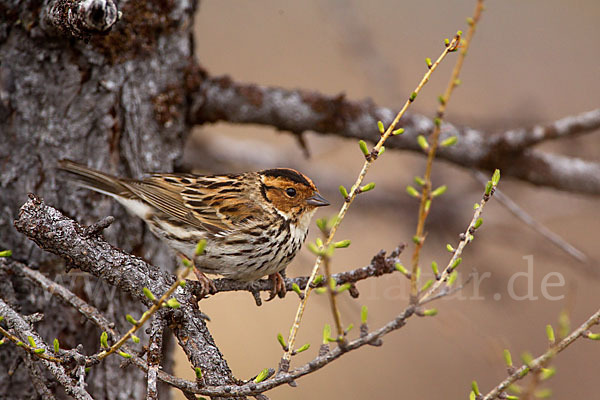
[(254, 223)]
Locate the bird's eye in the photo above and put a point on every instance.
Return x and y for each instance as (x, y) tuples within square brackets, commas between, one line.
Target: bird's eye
[(290, 192)]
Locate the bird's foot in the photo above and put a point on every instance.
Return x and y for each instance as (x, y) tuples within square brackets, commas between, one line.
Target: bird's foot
[(207, 284), (278, 286)]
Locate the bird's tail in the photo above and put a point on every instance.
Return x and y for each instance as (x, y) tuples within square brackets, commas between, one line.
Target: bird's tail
[(93, 179)]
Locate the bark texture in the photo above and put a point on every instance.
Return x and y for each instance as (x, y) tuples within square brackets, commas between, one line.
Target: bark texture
[(114, 101)]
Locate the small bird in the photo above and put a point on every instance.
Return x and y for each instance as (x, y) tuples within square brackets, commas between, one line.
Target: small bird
[(254, 223)]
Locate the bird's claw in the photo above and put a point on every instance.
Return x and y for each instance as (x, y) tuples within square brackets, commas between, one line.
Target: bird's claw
[(278, 286)]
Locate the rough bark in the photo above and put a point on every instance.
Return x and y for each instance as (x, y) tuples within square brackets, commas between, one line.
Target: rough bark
[(116, 102)]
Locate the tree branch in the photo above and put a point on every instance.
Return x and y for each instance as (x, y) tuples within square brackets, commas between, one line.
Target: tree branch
[(221, 99), (78, 18), (24, 330), (54, 232), (380, 265), (92, 314)]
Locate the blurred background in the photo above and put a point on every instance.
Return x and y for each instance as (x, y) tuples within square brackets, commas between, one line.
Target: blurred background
[(531, 62)]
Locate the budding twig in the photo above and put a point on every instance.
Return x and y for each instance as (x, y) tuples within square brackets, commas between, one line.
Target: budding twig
[(356, 189), (432, 147)]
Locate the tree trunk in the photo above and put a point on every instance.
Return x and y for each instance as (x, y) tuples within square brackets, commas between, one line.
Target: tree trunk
[(113, 101)]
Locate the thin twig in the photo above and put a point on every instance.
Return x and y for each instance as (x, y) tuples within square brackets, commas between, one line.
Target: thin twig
[(426, 196), (541, 360), (465, 238), (355, 190), (332, 300), (525, 217), (146, 315)]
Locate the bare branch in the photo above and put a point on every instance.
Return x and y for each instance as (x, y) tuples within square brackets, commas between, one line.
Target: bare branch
[(60, 235), (154, 357), (39, 381), (23, 330), (521, 214), (78, 18), (297, 111)]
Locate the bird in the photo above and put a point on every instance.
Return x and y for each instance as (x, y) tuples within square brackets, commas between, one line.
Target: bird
[(254, 223)]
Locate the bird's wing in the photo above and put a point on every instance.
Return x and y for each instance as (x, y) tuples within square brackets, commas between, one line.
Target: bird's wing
[(216, 204)]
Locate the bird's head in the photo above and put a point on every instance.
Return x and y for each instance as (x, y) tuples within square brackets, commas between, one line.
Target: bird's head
[(292, 194)]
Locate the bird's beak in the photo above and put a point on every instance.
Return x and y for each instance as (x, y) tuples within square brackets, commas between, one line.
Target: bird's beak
[(317, 200)]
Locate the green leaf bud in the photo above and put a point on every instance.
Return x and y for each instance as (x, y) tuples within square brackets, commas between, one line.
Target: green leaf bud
[(496, 177), (427, 285), (430, 312), (303, 348), (401, 268), (475, 388), (281, 341), (262, 375), (412, 191), (422, 141), (296, 288), (343, 191), (318, 279), (104, 340), (434, 268), (364, 312), (363, 147), (550, 334), (5, 253), (488, 188), (547, 373), (543, 393), (173, 303), (456, 263), (439, 191), (342, 244), (507, 358), (593, 336), (452, 278), (367, 187), (451, 141), (200, 247), (326, 333), (148, 294), (344, 287)]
